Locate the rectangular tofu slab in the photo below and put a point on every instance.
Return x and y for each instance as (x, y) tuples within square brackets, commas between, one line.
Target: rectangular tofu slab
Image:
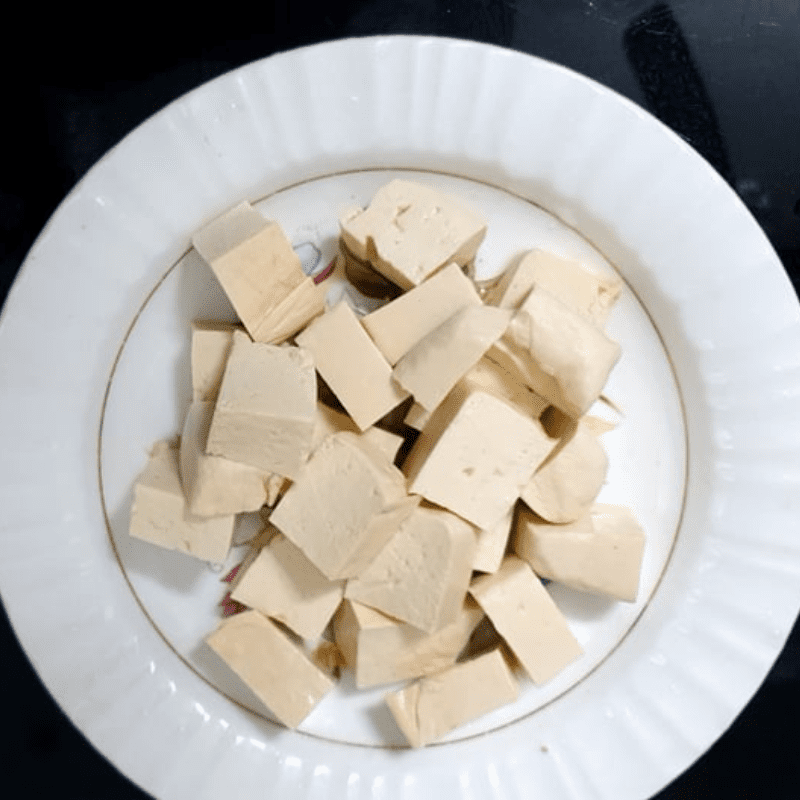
[(273, 667), (266, 408), (592, 296), (214, 485), (600, 553), (399, 325), (525, 615), (160, 514), (475, 456), (435, 705), (260, 273), (211, 345), (384, 650), (284, 585), (344, 506), (352, 365), (422, 574), (410, 231)]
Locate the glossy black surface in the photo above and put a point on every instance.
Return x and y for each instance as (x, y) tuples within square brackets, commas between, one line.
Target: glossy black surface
[(725, 75)]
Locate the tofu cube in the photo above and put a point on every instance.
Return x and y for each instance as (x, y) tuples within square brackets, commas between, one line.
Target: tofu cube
[(277, 671), (437, 704), (599, 553), (525, 615), (344, 506), (475, 456), (592, 296), (399, 325), (330, 421), (260, 273), (559, 354), (214, 485), (266, 409), (211, 345), (421, 576), (410, 231), (382, 650), (433, 366), (564, 487), (352, 365), (284, 585), (491, 545), (159, 513)]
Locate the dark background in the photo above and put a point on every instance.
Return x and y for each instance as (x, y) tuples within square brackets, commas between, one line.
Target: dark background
[(725, 74)]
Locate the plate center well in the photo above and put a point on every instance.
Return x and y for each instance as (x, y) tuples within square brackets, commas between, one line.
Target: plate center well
[(150, 392)]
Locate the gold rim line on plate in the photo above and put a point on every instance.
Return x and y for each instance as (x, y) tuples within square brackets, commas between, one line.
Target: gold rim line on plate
[(263, 717)]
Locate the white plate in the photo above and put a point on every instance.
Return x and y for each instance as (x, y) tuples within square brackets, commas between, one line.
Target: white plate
[(93, 343)]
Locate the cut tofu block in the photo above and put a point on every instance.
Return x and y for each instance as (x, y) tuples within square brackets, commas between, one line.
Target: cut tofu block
[(491, 545), (475, 456), (433, 366), (266, 409), (559, 354), (260, 273), (525, 615), (433, 706), (159, 514), (211, 345), (599, 553), (564, 487), (344, 506), (214, 485), (330, 421), (398, 326), (417, 417), (272, 665), (283, 584), (587, 294), (489, 376), (387, 442), (410, 231), (383, 650), (421, 576), (352, 365)]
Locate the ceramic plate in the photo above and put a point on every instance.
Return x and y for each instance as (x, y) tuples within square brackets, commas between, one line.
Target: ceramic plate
[(94, 342)]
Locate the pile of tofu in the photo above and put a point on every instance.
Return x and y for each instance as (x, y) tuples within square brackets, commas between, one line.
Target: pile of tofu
[(420, 469)]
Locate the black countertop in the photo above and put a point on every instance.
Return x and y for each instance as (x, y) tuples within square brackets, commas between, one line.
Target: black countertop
[(725, 74)]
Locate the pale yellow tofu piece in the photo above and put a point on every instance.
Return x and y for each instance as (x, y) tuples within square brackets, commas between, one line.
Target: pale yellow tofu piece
[(475, 456), (599, 553), (277, 671), (525, 615), (410, 231), (564, 487), (214, 485), (387, 442), (437, 704), (266, 408), (417, 417), (433, 366), (381, 649), (260, 273), (399, 325), (329, 421), (283, 584), (587, 294), (159, 513), (491, 377), (344, 506), (491, 545), (211, 345), (421, 576), (352, 365), (559, 354)]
